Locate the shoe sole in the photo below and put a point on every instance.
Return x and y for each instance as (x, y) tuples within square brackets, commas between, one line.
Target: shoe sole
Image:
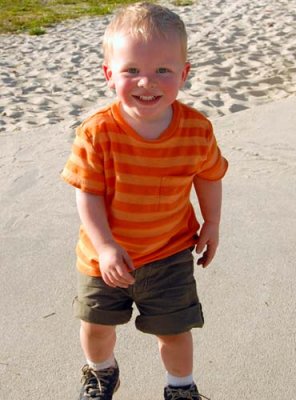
[(117, 386)]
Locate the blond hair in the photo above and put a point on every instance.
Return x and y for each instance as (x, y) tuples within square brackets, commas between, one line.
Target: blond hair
[(142, 21)]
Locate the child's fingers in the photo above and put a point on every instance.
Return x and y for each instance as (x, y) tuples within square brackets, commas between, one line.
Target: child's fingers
[(108, 280), (207, 256), (122, 277), (117, 275)]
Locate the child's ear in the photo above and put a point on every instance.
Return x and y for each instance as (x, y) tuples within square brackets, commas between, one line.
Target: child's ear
[(185, 72), (108, 76)]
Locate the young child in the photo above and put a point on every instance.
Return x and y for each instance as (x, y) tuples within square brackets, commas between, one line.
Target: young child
[(133, 165)]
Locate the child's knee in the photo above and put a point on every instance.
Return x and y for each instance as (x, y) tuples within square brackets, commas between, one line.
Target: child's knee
[(91, 329), (173, 339)]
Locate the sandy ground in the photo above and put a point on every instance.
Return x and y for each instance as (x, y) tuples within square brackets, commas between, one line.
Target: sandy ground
[(247, 348), (242, 55)]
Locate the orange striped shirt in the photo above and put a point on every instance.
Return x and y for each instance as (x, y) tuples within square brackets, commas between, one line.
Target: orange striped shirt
[(146, 184)]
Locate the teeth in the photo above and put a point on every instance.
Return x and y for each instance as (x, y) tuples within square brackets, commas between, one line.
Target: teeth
[(147, 98)]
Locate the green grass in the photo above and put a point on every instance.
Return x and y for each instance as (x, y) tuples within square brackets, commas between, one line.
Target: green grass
[(33, 16), (183, 2)]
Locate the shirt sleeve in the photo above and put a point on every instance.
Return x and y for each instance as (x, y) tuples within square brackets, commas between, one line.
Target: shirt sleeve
[(215, 165), (84, 168)]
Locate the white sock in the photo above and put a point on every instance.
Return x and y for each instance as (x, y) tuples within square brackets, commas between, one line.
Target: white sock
[(110, 362), (179, 380)]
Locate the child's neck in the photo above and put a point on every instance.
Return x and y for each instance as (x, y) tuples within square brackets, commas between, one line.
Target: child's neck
[(150, 130)]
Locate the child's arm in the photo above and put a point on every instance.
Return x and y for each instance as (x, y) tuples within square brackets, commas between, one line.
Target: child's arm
[(209, 195), (114, 261)]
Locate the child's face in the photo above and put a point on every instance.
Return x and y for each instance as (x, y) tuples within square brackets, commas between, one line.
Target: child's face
[(146, 75)]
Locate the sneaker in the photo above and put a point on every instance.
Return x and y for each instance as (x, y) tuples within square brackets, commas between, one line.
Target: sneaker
[(183, 393), (99, 385)]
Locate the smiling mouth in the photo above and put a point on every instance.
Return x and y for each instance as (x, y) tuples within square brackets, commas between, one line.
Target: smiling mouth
[(147, 99)]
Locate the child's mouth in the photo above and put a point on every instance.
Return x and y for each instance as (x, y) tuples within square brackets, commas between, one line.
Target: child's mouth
[(147, 99)]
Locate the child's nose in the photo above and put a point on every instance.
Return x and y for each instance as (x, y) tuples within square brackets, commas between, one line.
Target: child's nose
[(146, 82)]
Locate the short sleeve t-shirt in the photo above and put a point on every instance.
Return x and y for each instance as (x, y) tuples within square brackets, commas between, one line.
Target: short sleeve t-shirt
[(146, 184)]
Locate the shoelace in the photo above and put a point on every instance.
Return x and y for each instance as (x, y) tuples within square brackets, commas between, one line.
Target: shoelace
[(184, 394), (96, 383)]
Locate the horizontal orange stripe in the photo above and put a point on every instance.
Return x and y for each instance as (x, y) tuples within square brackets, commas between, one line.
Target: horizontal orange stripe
[(153, 225), (149, 171), (162, 192), (145, 208), (131, 215), (138, 161), (85, 163), (141, 246), (84, 185), (138, 180), (83, 141), (84, 173), (167, 196), (194, 123), (148, 237)]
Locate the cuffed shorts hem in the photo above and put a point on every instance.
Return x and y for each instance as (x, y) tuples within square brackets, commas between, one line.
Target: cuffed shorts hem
[(101, 317), (171, 324)]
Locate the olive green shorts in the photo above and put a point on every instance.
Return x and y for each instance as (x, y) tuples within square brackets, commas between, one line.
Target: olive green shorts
[(164, 293)]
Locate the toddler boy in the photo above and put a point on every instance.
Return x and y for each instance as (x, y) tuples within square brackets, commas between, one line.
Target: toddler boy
[(133, 165)]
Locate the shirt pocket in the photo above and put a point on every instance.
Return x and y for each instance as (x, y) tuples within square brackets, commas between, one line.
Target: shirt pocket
[(157, 194), (174, 192)]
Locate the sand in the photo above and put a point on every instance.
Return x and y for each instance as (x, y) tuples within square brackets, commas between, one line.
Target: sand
[(243, 56)]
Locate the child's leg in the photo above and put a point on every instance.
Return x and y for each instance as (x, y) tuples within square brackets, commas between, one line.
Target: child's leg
[(100, 376), (177, 355), (97, 341), (104, 307), (96, 302), (176, 352)]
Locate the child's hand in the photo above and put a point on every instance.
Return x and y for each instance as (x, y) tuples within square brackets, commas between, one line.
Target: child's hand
[(115, 264), (209, 239)]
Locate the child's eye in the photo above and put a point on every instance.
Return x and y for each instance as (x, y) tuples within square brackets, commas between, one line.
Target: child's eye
[(132, 71), (162, 70)]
